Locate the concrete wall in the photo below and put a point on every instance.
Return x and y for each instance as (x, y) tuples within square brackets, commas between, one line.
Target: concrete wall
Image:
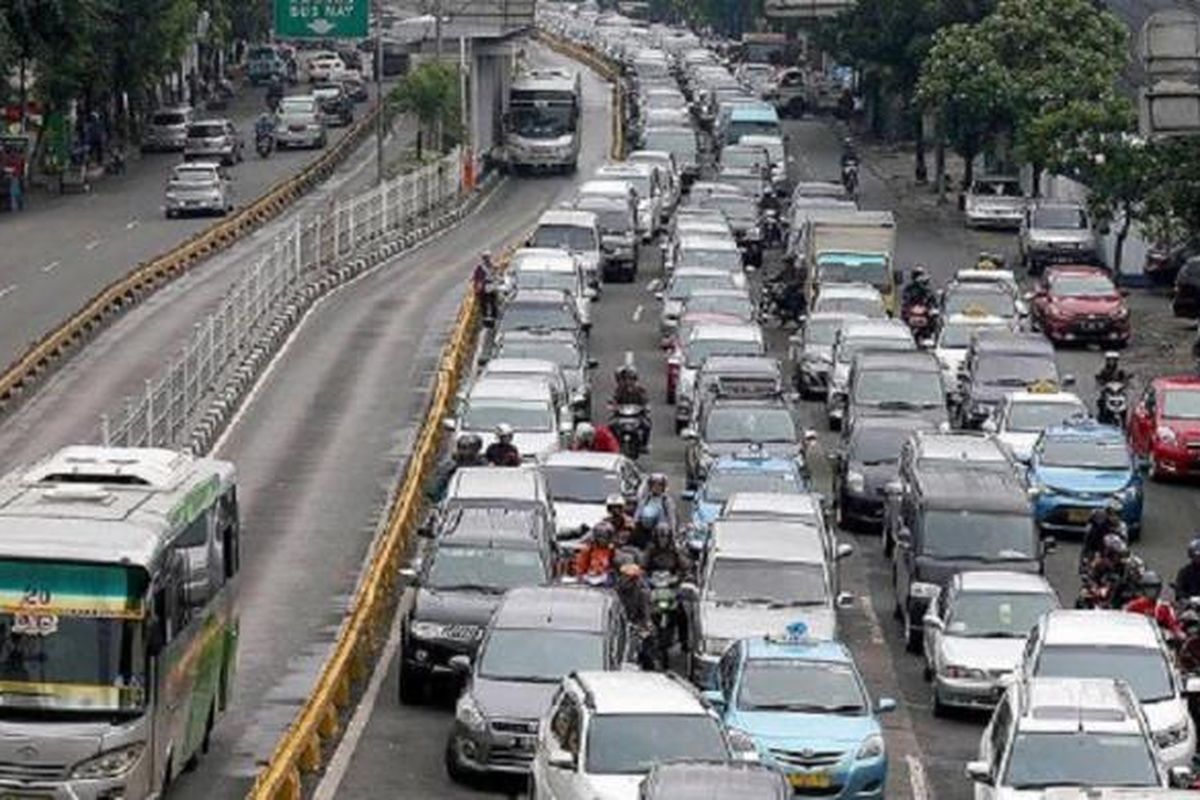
[(490, 70)]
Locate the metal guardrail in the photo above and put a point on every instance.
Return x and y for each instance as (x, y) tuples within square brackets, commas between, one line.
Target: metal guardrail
[(152, 275), (163, 413)]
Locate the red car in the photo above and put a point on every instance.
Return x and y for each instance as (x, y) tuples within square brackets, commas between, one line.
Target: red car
[(1164, 426), (1080, 304)]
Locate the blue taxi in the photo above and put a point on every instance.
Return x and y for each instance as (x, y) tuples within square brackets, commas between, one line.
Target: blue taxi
[(800, 705), (748, 472), (1075, 468)]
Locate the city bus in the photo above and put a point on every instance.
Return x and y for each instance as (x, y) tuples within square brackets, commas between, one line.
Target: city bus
[(541, 128), (118, 619)]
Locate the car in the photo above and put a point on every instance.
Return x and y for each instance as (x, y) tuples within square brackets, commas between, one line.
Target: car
[(1054, 734), (299, 122), (752, 181), (527, 404), (1070, 643), (1185, 295), (354, 85), (713, 250), (1054, 231), (648, 193), (539, 369), (669, 175), (198, 187), (773, 506), (490, 487), (729, 475), (1074, 470), (213, 139), (1081, 304), (1164, 426), (580, 482), (865, 462), (742, 376), (680, 141), (336, 104), (604, 732), (999, 362), (323, 64), (541, 310), (742, 212), (888, 383), (876, 334), (1024, 415), (732, 303), (759, 577), (807, 712), (704, 341), (577, 232), (550, 268), (977, 298), (166, 130), (994, 201), (833, 190), (694, 222), (733, 427), (801, 211), (954, 520), (614, 202), (264, 63), (536, 637), (861, 299), (776, 157), (954, 338), (701, 780), (975, 631), (471, 559), (566, 349), (688, 280), (811, 350)]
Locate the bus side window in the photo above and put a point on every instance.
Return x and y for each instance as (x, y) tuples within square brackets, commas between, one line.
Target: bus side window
[(227, 533)]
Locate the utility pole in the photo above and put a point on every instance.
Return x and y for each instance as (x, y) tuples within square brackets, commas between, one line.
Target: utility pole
[(380, 123), (437, 29), (463, 104)]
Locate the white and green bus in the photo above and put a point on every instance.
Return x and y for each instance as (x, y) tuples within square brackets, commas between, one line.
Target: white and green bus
[(118, 619)]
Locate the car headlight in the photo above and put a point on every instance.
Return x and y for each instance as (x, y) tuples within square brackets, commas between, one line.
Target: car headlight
[(741, 742), (466, 711), (1165, 434), (965, 673), (926, 591), (872, 747), (1171, 736), (112, 764), (427, 630), (855, 482)]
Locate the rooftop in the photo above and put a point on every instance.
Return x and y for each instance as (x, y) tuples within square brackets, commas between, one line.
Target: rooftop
[(1003, 581), (1099, 628), (638, 693), (578, 608), (763, 540)]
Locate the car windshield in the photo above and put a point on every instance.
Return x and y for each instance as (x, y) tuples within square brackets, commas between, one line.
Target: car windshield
[(843, 304), (700, 349), (547, 279), (958, 334), (1035, 417), (871, 446), (206, 131), (296, 105), (576, 485), (978, 536), (168, 118), (751, 425), (735, 207), (1181, 404), (774, 583), (1110, 454), (192, 176), (1042, 760), (630, 744), (544, 316), (493, 569), (723, 483), (750, 184), (565, 237), (1082, 286), (539, 655), (899, 388), (821, 331), (1015, 370), (977, 300), (671, 141), (834, 269), (739, 157), (1059, 218), (817, 687), (995, 615), (989, 188), (682, 286), (612, 216), (485, 413), (1145, 669), (732, 305), (562, 354), (849, 347), (723, 258)]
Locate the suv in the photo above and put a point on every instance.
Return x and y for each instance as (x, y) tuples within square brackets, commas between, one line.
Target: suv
[(874, 334), (298, 122), (335, 103), (475, 556), (605, 730), (167, 130), (952, 520), (749, 377), (537, 636), (213, 139), (1065, 732), (999, 362), (1054, 231), (895, 384), (1128, 647), (735, 427)]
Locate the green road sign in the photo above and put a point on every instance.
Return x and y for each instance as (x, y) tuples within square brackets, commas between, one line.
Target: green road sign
[(321, 19)]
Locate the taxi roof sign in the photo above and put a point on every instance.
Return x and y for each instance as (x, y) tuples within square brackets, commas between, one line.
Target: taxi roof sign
[(1043, 387), (794, 633)]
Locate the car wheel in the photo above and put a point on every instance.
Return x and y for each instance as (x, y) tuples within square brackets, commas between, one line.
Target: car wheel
[(170, 214), (939, 708), (454, 767), (912, 636)]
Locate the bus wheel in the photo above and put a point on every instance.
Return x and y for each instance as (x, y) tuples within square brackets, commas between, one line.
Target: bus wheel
[(206, 742)]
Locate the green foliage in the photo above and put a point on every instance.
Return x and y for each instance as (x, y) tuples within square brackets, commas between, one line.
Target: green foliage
[(431, 94)]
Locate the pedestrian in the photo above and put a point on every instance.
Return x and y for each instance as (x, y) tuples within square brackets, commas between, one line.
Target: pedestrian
[(485, 280), (16, 199)]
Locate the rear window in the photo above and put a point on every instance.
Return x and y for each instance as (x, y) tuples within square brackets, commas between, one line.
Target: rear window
[(261, 53), (168, 118), (206, 130)]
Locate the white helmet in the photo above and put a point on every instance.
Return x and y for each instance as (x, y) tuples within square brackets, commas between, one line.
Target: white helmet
[(504, 431)]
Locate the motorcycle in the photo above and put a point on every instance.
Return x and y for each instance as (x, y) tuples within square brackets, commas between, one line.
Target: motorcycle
[(1113, 404), (850, 177), (264, 143), (627, 425), (664, 614), (921, 319)]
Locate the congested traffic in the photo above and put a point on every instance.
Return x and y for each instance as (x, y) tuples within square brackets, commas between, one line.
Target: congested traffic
[(620, 608)]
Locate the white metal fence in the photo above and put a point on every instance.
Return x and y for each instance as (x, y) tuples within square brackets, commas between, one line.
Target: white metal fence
[(162, 412)]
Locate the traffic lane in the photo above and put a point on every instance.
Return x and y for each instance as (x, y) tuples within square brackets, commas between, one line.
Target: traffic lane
[(55, 257), (66, 407), (318, 448)]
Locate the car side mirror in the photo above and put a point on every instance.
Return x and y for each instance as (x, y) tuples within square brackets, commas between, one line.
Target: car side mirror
[(715, 698), (885, 705), (932, 620), (593, 363), (1192, 685), (1049, 544), (450, 424), (980, 772), (1068, 380), (689, 435), (407, 575), (845, 600), (1180, 777), (843, 550), (893, 488), (460, 664), (560, 759)]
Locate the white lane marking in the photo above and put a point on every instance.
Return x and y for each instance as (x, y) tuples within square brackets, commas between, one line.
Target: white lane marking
[(51, 266), (7, 290), (916, 778), (629, 357), (93, 244), (131, 225), (637, 313), (650, 285), (868, 609)]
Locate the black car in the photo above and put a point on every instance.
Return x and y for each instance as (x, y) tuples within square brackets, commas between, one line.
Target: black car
[(999, 362), (1186, 300), (867, 460), (474, 556), (888, 383), (336, 104)]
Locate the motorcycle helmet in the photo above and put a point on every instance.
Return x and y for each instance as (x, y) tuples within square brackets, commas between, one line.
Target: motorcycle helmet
[(627, 371), (1193, 549), (1114, 505), (1111, 358), (657, 479), (1115, 547), (504, 432), (614, 502), (1150, 584), (585, 432), (468, 444), (630, 571), (603, 533)]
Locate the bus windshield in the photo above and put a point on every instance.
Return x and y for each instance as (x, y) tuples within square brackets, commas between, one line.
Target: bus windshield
[(72, 637), (543, 122)]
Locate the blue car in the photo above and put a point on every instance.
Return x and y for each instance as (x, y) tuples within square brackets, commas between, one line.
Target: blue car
[(802, 707), (1075, 468), (744, 473)]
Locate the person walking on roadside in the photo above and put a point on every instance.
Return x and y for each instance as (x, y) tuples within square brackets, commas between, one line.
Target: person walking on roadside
[(16, 198), (485, 281)]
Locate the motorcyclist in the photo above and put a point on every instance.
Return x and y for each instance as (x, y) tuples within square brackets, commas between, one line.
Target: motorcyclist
[(1104, 522), (502, 452), (1112, 371), (264, 126), (919, 289), (663, 554), (486, 280), (274, 92), (1147, 602), (622, 525), (595, 439), (849, 153), (629, 392), (1113, 573), (655, 495), (595, 557), (790, 298), (634, 595), (1187, 580), (468, 452)]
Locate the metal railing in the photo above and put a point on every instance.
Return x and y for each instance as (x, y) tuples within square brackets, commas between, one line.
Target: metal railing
[(163, 411)]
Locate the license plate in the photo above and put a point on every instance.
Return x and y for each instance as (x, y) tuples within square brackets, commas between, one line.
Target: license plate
[(1093, 326), (809, 780), (1079, 514)]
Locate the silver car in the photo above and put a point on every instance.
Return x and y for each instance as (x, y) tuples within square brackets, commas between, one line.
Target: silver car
[(198, 187), (811, 351), (975, 631), (299, 122), (166, 130), (213, 139), (1056, 231), (994, 201)]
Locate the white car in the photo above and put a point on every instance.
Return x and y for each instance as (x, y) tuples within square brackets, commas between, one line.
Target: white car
[(577, 232), (551, 268), (994, 201), (581, 481), (850, 298), (605, 730), (713, 339), (669, 173), (954, 338), (198, 187), (853, 336), (525, 403), (642, 178), (1024, 415), (704, 250), (323, 65)]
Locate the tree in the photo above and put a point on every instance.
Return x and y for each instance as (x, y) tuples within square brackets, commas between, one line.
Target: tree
[(430, 93)]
